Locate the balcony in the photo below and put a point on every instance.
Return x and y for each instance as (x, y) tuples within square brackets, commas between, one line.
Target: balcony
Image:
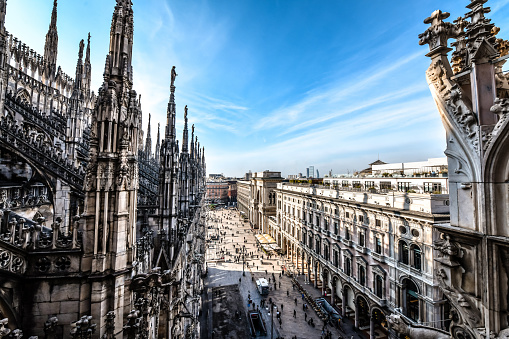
[(360, 249), (346, 242), (378, 257), (381, 302)]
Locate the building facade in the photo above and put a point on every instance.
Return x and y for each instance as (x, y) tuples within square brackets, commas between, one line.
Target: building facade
[(257, 198), (98, 235), (368, 245), (371, 252)]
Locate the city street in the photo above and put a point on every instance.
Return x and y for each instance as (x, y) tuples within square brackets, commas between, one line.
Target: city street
[(234, 237)]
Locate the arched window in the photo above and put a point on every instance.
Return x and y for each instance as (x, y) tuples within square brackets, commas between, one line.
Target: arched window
[(403, 252), (416, 256), (412, 300)]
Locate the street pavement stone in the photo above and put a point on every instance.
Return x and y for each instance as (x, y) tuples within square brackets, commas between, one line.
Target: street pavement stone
[(225, 267)]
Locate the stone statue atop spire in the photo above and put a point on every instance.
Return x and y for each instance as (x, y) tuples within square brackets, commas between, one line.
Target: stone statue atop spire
[(173, 76)]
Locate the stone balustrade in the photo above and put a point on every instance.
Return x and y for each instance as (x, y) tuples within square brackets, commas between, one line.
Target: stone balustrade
[(28, 235)]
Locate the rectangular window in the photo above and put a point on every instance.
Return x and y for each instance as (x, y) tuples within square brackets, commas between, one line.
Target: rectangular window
[(403, 186), (385, 185), (347, 214), (356, 184), (369, 184), (433, 187), (378, 222), (362, 238), (345, 183), (378, 245), (361, 218), (336, 228)]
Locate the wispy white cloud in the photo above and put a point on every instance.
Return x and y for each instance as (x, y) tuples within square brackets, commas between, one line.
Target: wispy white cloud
[(498, 5), (330, 95)]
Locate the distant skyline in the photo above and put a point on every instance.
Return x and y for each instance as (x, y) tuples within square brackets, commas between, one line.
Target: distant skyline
[(274, 84)]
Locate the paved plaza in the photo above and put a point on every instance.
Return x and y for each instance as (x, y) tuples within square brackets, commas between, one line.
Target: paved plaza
[(225, 267)]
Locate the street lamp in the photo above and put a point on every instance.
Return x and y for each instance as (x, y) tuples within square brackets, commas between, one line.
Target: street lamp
[(243, 259)]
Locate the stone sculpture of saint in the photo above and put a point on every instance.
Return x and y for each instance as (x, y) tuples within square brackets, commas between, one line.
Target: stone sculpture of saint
[(173, 76)]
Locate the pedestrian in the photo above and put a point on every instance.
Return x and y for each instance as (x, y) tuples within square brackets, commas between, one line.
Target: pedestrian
[(281, 307), (295, 301), (280, 284), (240, 280), (294, 313), (287, 293), (305, 316)]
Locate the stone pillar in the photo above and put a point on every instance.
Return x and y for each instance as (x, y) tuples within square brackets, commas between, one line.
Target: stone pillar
[(356, 314), (343, 303), (309, 269), (302, 261), (372, 327), (315, 283), (332, 292), (322, 279)]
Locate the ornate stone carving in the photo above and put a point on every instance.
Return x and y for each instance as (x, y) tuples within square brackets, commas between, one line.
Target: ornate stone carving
[(437, 35), (50, 327), (83, 328), (43, 264), (396, 323), (110, 326), (63, 263), (449, 273)]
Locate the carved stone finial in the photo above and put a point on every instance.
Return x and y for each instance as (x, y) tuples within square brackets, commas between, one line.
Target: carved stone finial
[(50, 327), (438, 34), (459, 56), (82, 328), (110, 326), (82, 47)]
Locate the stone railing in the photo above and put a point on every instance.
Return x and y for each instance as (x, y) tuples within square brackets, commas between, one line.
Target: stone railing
[(28, 235), (54, 123), (36, 147)]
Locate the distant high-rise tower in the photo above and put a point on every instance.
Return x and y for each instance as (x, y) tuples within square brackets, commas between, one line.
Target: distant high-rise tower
[(317, 173), (307, 172), (311, 173)]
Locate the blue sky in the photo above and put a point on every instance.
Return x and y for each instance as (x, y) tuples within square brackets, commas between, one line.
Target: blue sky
[(273, 84)]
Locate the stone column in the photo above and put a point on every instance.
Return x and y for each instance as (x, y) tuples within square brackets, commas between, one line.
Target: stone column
[(315, 283), (302, 261), (322, 279), (372, 327), (332, 292), (309, 269), (343, 303), (356, 314)]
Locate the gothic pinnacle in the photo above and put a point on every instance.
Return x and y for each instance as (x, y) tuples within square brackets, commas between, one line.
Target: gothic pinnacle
[(87, 58)]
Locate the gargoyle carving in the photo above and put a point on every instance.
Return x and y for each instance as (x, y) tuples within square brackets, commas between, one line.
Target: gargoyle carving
[(422, 332)]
